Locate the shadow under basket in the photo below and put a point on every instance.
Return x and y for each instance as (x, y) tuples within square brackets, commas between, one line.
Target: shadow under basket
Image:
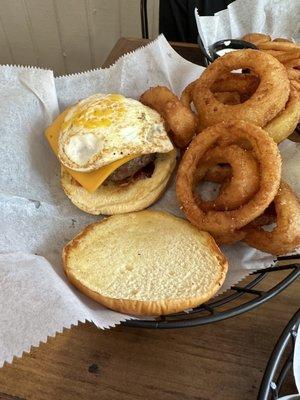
[(258, 288)]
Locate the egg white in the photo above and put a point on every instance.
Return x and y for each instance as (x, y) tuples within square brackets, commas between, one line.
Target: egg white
[(107, 127)]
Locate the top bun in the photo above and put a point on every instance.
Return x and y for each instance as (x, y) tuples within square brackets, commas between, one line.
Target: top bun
[(145, 263)]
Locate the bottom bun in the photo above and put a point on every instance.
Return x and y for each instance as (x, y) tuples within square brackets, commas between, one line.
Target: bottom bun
[(145, 263), (117, 199)]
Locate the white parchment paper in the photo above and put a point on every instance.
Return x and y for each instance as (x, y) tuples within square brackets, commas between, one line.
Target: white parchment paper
[(278, 18), (37, 219)]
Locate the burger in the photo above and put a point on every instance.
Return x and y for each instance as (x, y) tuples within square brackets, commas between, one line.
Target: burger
[(114, 152)]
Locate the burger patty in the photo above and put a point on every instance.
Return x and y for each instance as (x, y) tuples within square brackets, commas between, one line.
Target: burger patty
[(131, 167)]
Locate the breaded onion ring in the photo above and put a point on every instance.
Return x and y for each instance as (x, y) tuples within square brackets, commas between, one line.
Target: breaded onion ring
[(282, 40), (293, 69), (256, 38), (266, 218), (296, 85), (264, 150), (280, 46), (244, 84), (180, 119), (218, 174), (228, 97), (286, 236), (242, 185), (295, 64), (267, 101), (293, 74), (284, 56), (284, 124), (229, 238)]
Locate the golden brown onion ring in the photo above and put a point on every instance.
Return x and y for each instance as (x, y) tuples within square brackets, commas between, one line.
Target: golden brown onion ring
[(236, 82), (266, 218), (295, 64), (293, 74), (244, 182), (284, 124), (284, 56), (244, 84), (267, 101), (280, 46), (293, 69), (256, 38), (180, 119), (265, 152), (286, 236), (229, 238), (283, 40), (218, 173), (296, 85), (228, 97)]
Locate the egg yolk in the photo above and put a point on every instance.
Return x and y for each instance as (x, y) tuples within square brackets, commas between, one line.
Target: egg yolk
[(98, 114)]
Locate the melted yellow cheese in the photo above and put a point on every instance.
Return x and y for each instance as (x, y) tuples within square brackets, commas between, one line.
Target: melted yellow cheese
[(89, 180)]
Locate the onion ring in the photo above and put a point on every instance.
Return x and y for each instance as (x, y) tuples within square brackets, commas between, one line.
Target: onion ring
[(295, 64), (293, 74), (180, 119), (284, 56), (264, 150), (267, 101), (280, 46), (293, 69), (282, 40), (266, 218), (256, 38), (284, 124), (218, 174), (244, 84), (229, 238), (228, 97), (296, 85), (243, 184), (286, 236)]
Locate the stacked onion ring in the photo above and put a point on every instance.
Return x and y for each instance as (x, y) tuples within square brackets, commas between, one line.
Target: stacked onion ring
[(219, 94), (231, 123), (249, 186)]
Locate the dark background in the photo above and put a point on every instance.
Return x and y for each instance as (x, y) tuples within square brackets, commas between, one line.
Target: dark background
[(177, 20)]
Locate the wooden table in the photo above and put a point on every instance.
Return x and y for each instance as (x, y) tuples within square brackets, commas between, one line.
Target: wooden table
[(222, 361)]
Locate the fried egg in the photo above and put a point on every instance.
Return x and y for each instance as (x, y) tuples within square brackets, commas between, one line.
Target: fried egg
[(104, 128)]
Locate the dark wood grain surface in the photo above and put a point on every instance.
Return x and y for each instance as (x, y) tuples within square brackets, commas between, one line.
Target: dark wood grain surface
[(222, 361)]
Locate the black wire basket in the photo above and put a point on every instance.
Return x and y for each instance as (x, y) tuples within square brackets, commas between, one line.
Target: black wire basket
[(281, 362), (238, 300)]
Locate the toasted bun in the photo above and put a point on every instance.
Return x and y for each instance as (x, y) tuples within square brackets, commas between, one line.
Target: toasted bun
[(116, 199), (145, 263)]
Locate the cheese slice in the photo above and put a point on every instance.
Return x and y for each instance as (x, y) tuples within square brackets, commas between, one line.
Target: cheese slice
[(89, 180)]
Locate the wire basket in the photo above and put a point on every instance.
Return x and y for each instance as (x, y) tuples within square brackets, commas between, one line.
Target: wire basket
[(281, 362), (238, 300)]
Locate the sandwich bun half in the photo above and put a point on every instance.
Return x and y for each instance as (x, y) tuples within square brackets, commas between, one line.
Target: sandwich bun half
[(145, 263)]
